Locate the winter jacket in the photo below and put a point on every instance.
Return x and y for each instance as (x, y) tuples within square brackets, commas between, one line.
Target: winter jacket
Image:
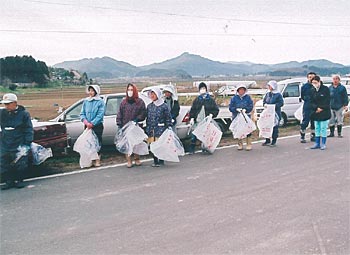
[(321, 99), (158, 119), (306, 91), (244, 102), (210, 106), (93, 110), (339, 97), (276, 99), (174, 107), (131, 110), (16, 129)]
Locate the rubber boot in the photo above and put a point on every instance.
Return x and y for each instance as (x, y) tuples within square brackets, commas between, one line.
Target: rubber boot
[(302, 136), (128, 159), (323, 145), (155, 162), (331, 129), (249, 144), (339, 127), (240, 144), (317, 143)]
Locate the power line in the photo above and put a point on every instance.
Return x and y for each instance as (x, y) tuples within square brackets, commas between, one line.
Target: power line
[(191, 16), (167, 33)]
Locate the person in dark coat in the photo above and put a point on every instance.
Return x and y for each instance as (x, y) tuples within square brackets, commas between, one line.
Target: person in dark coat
[(320, 112), (242, 102), (203, 106), (158, 120), (339, 104), (171, 99), (274, 97), (132, 108), (16, 136), (306, 91)]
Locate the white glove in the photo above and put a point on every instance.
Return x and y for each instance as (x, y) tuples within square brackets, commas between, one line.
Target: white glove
[(210, 115), (192, 121), (239, 109), (244, 110)]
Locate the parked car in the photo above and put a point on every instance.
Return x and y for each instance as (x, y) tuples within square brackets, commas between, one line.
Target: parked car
[(71, 117), (291, 92)]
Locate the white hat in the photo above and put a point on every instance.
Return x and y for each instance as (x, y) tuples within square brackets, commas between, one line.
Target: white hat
[(273, 84), (9, 98)]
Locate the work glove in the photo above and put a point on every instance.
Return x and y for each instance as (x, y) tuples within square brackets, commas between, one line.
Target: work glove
[(239, 109), (244, 110), (192, 121), (210, 115)]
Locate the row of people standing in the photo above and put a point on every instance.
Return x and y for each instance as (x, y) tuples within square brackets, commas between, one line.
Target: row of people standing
[(323, 107)]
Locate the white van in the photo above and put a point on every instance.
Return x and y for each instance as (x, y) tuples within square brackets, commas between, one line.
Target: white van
[(291, 92)]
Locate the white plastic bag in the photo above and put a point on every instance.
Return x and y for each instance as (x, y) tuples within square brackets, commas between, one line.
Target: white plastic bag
[(266, 121), (299, 113), (130, 139), (242, 126), (208, 133), (40, 153), (168, 147), (88, 146)]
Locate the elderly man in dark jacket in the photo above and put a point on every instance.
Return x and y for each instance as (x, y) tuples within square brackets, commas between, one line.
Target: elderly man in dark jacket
[(339, 104), (16, 137)]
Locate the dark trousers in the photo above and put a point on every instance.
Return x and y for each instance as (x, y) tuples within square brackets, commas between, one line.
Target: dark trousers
[(98, 131), (307, 119), (11, 171), (275, 133)]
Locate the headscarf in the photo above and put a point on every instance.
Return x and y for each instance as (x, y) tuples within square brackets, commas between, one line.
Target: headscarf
[(97, 90), (158, 92), (171, 89), (241, 86), (273, 85)]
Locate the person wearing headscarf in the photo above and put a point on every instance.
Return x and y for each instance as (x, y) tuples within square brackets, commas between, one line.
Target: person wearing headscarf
[(132, 108), (242, 102), (203, 106), (171, 99), (158, 120), (92, 113), (320, 112), (273, 96)]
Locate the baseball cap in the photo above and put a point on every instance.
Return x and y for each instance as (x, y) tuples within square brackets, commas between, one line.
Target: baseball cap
[(9, 98)]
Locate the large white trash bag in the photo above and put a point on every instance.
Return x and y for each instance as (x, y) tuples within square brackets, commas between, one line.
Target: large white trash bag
[(40, 153), (266, 121), (299, 113), (242, 126), (87, 146), (130, 139), (208, 133), (168, 147)]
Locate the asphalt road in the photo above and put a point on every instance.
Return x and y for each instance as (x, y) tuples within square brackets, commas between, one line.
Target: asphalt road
[(283, 200)]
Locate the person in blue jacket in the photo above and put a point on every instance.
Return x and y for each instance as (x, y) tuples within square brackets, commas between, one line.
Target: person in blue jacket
[(273, 97), (16, 136), (242, 102), (306, 91), (92, 113), (339, 104)]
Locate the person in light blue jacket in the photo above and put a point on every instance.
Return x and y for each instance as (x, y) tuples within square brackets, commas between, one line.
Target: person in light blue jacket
[(92, 113)]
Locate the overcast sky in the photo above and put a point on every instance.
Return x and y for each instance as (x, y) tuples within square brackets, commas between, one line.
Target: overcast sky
[(142, 32)]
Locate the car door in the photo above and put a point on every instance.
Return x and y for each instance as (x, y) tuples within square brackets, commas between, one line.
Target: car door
[(292, 99), (109, 121)]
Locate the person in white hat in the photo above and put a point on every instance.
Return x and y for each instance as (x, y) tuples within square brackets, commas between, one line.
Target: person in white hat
[(16, 136), (273, 97)]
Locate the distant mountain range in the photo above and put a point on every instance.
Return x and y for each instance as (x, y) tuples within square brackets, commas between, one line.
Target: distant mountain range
[(188, 65)]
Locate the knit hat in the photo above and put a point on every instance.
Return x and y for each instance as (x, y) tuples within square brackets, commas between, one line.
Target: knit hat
[(202, 85)]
